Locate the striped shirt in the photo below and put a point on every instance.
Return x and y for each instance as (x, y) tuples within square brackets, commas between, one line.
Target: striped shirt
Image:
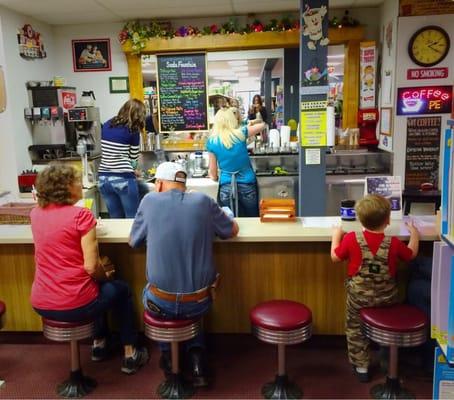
[(120, 148)]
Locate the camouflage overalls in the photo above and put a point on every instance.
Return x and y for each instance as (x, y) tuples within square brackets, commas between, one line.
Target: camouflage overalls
[(372, 286)]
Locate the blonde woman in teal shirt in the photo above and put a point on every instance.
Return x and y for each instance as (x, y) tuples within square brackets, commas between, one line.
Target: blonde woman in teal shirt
[(227, 150)]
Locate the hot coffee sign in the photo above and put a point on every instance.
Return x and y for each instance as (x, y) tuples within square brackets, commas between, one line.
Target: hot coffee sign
[(424, 100)]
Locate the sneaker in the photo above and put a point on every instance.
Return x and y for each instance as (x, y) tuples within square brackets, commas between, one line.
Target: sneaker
[(131, 365), (362, 374), (99, 353), (199, 368)]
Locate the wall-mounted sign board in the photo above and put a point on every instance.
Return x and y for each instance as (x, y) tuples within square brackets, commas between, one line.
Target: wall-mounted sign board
[(424, 100), (422, 151), (182, 92)]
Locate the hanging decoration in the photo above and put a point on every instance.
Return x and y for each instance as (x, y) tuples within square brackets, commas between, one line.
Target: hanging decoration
[(139, 33), (313, 26), (345, 21), (30, 43)]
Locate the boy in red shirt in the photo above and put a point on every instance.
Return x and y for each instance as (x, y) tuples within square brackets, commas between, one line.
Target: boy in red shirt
[(372, 261)]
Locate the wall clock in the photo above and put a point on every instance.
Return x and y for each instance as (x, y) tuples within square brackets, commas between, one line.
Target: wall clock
[(428, 46)]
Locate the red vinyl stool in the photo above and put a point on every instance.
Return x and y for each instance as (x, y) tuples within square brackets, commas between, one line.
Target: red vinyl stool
[(173, 332), (400, 325), (281, 322), (2, 311), (77, 385)]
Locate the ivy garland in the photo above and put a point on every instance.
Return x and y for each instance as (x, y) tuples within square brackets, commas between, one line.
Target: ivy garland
[(139, 33)]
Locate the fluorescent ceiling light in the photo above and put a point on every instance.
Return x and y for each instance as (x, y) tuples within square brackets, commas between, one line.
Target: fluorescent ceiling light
[(238, 62), (336, 56), (225, 78), (220, 72), (333, 64), (242, 74), (240, 68)]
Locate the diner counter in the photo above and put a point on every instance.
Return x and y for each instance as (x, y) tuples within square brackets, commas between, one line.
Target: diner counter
[(266, 261), (307, 229)]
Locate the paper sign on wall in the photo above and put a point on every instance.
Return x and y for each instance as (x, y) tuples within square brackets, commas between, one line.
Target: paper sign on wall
[(368, 71), (389, 187), (313, 128)]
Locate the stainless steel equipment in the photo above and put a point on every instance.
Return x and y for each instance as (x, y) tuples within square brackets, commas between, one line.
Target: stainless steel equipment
[(47, 105), (346, 172), (83, 125), (277, 175)]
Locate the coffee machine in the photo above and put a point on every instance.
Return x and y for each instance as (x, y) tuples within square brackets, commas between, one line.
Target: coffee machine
[(83, 125), (83, 130)]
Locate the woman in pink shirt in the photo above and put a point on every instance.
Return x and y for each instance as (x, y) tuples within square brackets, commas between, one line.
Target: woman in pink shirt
[(67, 265)]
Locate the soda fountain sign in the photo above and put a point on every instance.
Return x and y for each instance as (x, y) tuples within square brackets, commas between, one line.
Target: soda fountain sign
[(424, 100)]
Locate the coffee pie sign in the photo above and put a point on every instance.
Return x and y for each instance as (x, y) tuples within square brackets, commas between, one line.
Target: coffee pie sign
[(424, 100), (30, 43)]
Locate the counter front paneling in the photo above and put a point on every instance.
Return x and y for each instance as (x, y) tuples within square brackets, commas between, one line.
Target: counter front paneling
[(266, 261)]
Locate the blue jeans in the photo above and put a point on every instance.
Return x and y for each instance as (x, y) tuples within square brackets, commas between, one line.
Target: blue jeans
[(248, 199), (113, 295), (177, 310), (143, 189), (120, 194)]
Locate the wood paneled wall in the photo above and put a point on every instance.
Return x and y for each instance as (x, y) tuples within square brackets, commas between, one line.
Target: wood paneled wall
[(251, 273)]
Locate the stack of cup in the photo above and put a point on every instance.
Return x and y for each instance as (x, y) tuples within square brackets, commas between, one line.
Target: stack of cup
[(285, 136), (274, 139)]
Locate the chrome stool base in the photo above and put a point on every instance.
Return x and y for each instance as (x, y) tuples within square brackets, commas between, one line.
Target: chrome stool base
[(281, 388), (390, 390), (76, 386), (175, 387)]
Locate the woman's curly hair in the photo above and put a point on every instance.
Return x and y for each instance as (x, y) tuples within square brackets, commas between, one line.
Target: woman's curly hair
[(132, 114), (53, 183)]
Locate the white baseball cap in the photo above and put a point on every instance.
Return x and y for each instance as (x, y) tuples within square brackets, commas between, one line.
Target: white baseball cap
[(167, 171)]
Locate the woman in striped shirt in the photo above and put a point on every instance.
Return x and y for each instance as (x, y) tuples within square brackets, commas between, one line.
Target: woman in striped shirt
[(120, 142)]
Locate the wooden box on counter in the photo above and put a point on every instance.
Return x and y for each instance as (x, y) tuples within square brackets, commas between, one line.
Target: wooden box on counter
[(277, 210)]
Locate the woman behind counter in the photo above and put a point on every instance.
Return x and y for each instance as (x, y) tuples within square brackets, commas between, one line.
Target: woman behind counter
[(257, 111), (67, 266), (227, 148), (120, 145)]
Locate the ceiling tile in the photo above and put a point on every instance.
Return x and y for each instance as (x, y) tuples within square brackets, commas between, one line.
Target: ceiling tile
[(69, 11)]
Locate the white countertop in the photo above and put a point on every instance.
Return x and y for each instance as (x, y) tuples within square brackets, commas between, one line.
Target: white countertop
[(307, 229)]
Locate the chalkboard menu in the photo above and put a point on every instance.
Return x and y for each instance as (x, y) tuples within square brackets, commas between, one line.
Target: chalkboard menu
[(423, 151), (182, 92)]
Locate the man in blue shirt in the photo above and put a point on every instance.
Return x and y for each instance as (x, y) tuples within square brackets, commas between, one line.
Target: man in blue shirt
[(179, 228)]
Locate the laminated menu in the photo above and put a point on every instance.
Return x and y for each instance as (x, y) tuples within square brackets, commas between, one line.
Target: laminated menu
[(389, 187), (182, 92)]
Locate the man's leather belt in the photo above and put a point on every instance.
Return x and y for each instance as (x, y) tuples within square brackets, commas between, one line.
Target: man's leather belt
[(181, 297)]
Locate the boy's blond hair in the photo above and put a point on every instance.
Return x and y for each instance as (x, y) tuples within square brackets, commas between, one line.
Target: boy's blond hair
[(373, 211)]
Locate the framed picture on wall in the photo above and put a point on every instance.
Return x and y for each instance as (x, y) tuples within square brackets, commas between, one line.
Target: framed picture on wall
[(119, 84), (91, 55), (386, 121)]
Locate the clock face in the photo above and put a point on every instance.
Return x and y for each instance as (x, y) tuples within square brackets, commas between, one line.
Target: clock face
[(428, 46)]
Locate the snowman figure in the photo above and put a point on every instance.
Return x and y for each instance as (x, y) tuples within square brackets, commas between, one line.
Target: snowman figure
[(313, 18)]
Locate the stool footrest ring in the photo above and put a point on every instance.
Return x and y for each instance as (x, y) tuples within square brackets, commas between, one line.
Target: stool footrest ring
[(283, 337), (388, 338), (172, 334), (68, 334)]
